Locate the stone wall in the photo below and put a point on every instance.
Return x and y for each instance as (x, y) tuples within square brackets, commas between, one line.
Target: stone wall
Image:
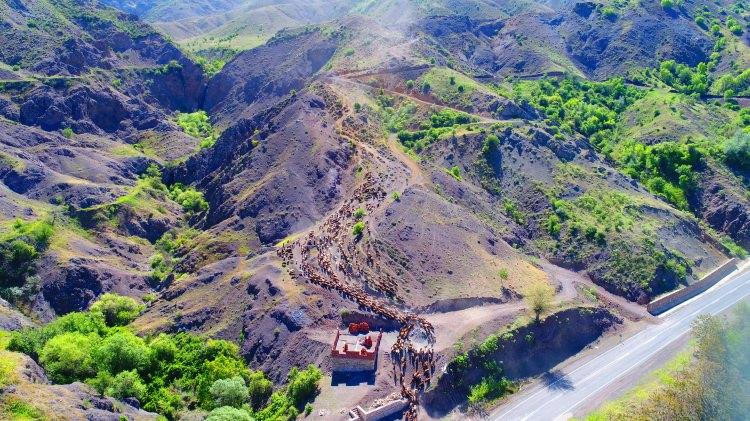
[(346, 364)]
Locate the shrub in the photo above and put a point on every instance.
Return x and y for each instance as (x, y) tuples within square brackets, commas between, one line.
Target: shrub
[(30, 341), (122, 351), (683, 78), (230, 392), (737, 151), (20, 248), (503, 273), (359, 214), (67, 133), (553, 225), (303, 384), (116, 309), (489, 389), (396, 196), (227, 413), (358, 229), (127, 384), (455, 172), (198, 125), (68, 357), (191, 200)]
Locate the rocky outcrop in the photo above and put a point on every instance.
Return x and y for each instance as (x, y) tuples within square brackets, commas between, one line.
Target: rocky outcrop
[(724, 207)]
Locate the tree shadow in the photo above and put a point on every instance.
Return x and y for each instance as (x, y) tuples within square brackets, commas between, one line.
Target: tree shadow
[(556, 380)]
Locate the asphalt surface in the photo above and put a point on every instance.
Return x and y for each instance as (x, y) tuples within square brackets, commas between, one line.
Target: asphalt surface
[(587, 384)]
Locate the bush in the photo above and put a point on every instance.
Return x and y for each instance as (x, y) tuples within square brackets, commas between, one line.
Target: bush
[(667, 169), (20, 248), (116, 309), (230, 392), (683, 78), (122, 351), (358, 229), (359, 214), (737, 151), (198, 125), (553, 225), (455, 172), (303, 384), (127, 384), (67, 357), (191, 200), (489, 389), (30, 341), (67, 133), (227, 413)]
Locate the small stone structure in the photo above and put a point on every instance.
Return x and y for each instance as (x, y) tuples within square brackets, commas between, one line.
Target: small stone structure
[(350, 353)]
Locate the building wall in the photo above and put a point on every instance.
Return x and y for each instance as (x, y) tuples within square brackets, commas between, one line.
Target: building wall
[(352, 364)]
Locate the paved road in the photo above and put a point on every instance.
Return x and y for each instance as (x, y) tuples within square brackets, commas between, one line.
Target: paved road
[(586, 384)]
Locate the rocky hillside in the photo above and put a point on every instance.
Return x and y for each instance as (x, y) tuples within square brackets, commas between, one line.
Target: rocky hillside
[(420, 165)]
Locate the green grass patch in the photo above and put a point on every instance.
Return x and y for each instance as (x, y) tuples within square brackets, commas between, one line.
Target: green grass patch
[(449, 86)]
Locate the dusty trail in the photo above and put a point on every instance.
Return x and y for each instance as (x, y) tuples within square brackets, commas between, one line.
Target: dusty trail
[(331, 256), (368, 88)]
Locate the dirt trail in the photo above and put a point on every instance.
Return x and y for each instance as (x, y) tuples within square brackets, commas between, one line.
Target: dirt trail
[(331, 256), (366, 87)]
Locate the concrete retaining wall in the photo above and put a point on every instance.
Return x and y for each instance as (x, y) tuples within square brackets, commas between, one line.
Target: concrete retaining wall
[(668, 301), (380, 412)]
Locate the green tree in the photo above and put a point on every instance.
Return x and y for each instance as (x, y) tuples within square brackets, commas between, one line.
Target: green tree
[(122, 351), (117, 310), (303, 384), (127, 384), (67, 358), (737, 151), (259, 388), (230, 392), (539, 298), (30, 341)]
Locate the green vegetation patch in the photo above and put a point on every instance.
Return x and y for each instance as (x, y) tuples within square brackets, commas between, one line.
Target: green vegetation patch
[(576, 105), (166, 373), (19, 250), (148, 195), (441, 123), (449, 86), (198, 125)]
